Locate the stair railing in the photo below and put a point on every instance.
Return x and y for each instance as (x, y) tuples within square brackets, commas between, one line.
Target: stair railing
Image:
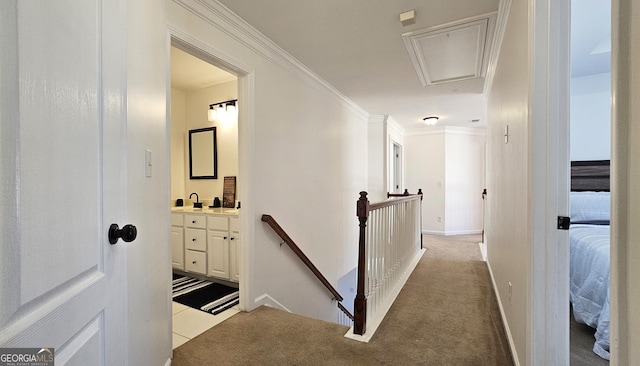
[(296, 249), (387, 250)]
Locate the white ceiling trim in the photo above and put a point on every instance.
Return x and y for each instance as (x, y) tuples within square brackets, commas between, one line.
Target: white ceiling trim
[(434, 51), (237, 28), (501, 26), (391, 123), (377, 118)]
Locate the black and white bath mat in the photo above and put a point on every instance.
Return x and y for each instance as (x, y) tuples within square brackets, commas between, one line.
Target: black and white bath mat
[(210, 297)]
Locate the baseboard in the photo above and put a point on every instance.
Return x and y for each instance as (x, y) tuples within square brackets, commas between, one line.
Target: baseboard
[(168, 363), (483, 250), (433, 232), (512, 346), (451, 233), (267, 300)]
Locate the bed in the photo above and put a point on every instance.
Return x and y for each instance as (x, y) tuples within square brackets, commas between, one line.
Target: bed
[(589, 237)]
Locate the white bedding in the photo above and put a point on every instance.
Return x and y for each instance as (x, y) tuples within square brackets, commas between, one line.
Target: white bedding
[(589, 280)]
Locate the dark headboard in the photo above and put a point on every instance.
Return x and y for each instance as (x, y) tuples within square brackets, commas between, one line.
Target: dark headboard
[(590, 175)]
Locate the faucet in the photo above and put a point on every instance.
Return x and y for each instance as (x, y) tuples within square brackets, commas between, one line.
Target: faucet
[(197, 203)]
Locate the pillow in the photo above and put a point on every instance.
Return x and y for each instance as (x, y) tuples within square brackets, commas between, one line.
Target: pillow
[(590, 206)]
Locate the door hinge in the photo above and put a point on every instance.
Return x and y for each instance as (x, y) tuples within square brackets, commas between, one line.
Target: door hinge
[(563, 222)]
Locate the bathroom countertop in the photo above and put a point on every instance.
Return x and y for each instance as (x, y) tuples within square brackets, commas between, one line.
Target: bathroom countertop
[(206, 210)]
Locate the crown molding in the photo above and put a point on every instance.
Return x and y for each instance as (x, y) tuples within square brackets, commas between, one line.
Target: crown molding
[(376, 118), (237, 28), (496, 44), (394, 125)]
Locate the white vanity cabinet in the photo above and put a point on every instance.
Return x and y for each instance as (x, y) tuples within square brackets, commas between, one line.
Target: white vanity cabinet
[(206, 243), (177, 241), (195, 243)]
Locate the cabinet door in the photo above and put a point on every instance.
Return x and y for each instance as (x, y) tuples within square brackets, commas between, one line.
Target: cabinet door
[(234, 247), (177, 248), (218, 253)]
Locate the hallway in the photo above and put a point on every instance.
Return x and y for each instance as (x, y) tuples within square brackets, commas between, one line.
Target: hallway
[(446, 314)]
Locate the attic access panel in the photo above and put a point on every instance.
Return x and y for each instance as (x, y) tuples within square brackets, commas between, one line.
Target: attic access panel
[(451, 52)]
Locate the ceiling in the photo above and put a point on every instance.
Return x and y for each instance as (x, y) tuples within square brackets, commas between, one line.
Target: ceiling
[(189, 73), (359, 49)]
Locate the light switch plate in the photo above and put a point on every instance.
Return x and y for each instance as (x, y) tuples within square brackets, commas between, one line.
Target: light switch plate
[(147, 163)]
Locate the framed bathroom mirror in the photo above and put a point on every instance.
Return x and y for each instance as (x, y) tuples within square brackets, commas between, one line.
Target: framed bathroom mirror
[(203, 154)]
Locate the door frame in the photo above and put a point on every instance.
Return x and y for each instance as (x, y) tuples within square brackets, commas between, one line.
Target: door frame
[(625, 117), (396, 167), (246, 138)]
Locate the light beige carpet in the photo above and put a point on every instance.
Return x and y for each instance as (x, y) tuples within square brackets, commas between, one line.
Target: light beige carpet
[(445, 315)]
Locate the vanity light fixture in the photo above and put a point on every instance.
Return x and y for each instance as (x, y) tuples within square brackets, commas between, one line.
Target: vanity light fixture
[(211, 113), (430, 121), (219, 111)]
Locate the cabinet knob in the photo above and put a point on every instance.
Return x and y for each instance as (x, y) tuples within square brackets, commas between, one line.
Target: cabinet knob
[(224, 237), (194, 239), (194, 262), (232, 238), (193, 222)]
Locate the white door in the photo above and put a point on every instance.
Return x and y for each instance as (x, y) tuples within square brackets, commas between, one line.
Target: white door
[(62, 284), (396, 168)]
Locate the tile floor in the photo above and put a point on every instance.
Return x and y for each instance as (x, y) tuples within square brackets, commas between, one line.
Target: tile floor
[(189, 322)]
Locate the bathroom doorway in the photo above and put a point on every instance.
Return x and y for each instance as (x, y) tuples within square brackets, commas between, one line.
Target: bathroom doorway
[(204, 95)]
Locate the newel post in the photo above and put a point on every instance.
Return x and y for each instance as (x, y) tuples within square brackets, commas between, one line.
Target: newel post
[(360, 302)]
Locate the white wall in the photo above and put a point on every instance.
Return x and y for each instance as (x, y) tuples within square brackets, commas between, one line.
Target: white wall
[(188, 112), (425, 169), (305, 158), (447, 163), (196, 107), (591, 117), (149, 257), (376, 150), (507, 228), (464, 180)]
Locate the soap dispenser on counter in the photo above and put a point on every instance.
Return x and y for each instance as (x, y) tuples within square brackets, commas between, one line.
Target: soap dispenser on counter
[(216, 202)]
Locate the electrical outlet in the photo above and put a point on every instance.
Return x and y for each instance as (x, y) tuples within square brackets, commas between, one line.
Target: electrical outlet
[(439, 218), (510, 291)]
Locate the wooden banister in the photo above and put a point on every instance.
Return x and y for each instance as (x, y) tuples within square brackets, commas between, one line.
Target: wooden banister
[(294, 247), (405, 193), (363, 210)]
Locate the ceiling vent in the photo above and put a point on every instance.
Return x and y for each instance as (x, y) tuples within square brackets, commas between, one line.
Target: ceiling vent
[(453, 51)]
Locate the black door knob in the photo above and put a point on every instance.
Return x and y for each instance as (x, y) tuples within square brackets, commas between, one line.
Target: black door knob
[(128, 233)]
